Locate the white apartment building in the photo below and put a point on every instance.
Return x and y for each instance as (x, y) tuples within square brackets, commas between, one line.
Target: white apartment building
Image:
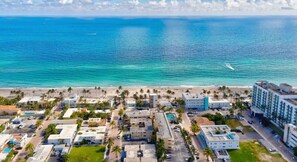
[(277, 103), (143, 153), (138, 114), (195, 101), (141, 128), (164, 131), (219, 137), (290, 135), (41, 153), (72, 100), (66, 135), (216, 104), (93, 135), (153, 100)]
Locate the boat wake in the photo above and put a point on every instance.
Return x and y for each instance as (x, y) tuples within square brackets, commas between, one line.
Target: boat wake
[(229, 66)]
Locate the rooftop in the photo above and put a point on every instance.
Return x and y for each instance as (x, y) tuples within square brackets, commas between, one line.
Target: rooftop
[(41, 154), (164, 130), (67, 131), (218, 133), (94, 132), (138, 113), (30, 99), (8, 107), (212, 100), (141, 124), (4, 139), (146, 152), (282, 89), (292, 101), (188, 96)]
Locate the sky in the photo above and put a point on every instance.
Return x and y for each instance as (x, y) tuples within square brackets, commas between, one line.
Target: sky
[(148, 7)]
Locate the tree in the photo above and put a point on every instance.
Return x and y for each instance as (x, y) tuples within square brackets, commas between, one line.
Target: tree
[(295, 151), (194, 128), (65, 157), (110, 142), (112, 124), (47, 112), (29, 147), (69, 90), (208, 153), (180, 110), (117, 150), (121, 112), (38, 123), (160, 150)]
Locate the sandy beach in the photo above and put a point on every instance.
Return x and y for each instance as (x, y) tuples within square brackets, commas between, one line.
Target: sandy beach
[(111, 91)]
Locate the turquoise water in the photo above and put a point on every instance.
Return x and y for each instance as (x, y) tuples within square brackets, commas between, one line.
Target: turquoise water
[(170, 116), (54, 52), (7, 150)]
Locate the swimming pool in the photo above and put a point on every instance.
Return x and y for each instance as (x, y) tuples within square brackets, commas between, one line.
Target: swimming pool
[(170, 116), (7, 150)]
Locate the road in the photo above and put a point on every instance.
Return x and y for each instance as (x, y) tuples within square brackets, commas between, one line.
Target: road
[(36, 140), (186, 123), (113, 132), (270, 138)]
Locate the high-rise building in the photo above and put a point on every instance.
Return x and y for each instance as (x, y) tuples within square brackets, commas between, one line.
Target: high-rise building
[(277, 103)]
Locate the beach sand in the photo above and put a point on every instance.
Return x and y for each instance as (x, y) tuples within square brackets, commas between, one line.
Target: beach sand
[(111, 91)]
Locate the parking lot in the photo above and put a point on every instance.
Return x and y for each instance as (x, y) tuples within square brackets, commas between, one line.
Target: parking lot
[(26, 126), (180, 152)]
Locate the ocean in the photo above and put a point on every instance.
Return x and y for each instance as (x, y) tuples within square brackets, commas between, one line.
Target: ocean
[(181, 51)]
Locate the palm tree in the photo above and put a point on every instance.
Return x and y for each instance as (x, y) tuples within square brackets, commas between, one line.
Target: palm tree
[(208, 153), (110, 142), (69, 90), (29, 147), (194, 128), (65, 158), (117, 150), (112, 124)]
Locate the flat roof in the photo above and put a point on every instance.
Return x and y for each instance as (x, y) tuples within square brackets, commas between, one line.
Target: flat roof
[(138, 113), (4, 138), (212, 100), (9, 107), (148, 153), (164, 130), (69, 112), (292, 101), (275, 88), (67, 131), (95, 132), (148, 125), (193, 96), (41, 154), (215, 133)]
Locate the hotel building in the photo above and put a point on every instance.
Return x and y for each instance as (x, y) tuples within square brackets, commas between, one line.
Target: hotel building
[(219, 137), (196, 101), (277, 103)]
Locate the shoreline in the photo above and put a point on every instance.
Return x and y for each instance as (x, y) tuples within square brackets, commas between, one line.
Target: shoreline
[(110, 91)]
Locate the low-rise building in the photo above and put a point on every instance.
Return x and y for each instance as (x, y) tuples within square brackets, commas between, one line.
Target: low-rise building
[(92, 135), (141, 128), (41, 153), (195, 101), (9, 110), (131, 103), (138, 114), (165, 103), (164, 131), (93, 122), (30, 100), (218, 104), (219, 137), (290, 135), (66, 135), (143, 153), (4, 139), (153, 100), (72, 100)]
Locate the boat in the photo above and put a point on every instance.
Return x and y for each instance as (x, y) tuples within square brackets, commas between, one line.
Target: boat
[(229, 66)]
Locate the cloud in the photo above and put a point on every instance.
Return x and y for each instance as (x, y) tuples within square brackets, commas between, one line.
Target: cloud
[(146, 6)]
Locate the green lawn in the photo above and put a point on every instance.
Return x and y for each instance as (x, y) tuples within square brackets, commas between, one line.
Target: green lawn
[(233, 123), (87, 154), (253, 151)]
